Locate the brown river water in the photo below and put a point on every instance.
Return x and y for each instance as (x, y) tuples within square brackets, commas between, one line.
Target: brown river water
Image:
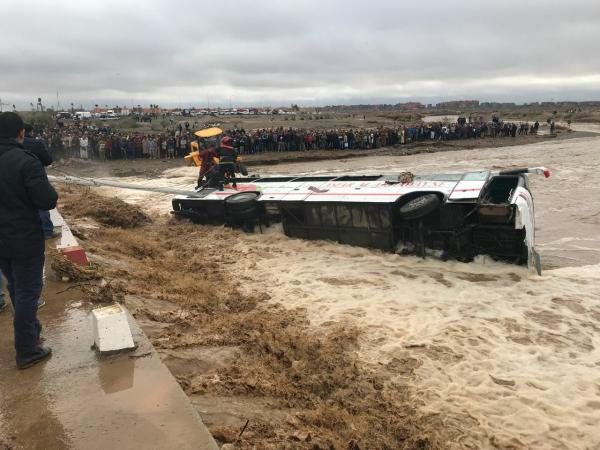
[(511, 358)]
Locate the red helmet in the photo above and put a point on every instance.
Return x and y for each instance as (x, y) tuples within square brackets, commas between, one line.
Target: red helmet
[(226, 142)]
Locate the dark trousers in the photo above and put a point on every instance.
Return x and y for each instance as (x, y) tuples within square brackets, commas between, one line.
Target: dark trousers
[(24, 279), (47, 225), (227, 171), (205, 171)]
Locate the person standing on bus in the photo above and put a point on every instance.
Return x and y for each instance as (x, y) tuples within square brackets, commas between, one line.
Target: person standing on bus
[(227, 160)]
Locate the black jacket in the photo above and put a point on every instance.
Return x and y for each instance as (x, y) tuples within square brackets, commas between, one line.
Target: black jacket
[(24, 189), (38, 148), (227, 155)]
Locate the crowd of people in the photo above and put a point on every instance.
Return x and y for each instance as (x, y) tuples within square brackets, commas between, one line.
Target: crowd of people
[(299, 139), (80, 140)]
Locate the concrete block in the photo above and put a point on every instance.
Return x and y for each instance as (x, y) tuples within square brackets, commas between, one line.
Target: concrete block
[(76, 255), (68, 245), (111, 329)]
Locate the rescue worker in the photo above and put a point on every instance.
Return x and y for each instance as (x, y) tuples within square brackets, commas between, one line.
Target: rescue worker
[(227, 160), (207, 157)]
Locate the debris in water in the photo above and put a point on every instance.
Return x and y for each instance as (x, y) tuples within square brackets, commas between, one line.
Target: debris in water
[(104, 293), (502, 382), (65, 269)]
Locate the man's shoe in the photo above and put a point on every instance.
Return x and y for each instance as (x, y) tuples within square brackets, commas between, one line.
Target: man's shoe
[(41, 303), (40, 354)]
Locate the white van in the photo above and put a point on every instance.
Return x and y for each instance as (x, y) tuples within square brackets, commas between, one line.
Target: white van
[(83, 115)]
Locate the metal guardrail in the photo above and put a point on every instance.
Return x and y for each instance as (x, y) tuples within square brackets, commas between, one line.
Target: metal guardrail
[(99, 182)]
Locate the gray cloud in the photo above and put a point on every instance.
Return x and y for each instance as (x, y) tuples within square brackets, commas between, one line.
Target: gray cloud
[(307, 51)]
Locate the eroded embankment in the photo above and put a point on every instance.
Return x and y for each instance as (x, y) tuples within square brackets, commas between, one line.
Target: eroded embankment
[(178, 279)]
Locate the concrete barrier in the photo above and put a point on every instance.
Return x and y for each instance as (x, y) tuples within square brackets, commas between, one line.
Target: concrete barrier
[(68, 245)]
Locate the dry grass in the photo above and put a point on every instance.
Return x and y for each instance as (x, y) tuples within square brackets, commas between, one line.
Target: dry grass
[(105, 292)]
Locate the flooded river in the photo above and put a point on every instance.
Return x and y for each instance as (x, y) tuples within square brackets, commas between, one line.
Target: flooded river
[(508, 358)]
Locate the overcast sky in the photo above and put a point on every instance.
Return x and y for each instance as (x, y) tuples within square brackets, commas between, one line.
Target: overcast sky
[(275, 52)]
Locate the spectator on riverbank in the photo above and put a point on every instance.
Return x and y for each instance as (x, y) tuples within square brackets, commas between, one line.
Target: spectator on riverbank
[(77, 140), (24, 189)]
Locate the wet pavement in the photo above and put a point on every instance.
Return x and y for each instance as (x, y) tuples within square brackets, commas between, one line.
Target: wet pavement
[(80, 400)]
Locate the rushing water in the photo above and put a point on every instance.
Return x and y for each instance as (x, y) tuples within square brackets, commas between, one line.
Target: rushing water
[(508, 357)]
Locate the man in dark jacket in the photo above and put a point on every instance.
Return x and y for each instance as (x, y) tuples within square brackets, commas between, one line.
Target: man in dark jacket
[(24, 189), (227, 160), (38, 148), (35, 146)]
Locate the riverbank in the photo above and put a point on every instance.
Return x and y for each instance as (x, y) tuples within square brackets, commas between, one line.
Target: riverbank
[(80, 400)]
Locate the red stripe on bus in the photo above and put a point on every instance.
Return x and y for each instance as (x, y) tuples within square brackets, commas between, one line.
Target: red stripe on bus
[(311, 193)]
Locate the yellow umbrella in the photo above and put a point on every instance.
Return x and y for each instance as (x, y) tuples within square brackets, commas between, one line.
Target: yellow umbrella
[(208, 132)]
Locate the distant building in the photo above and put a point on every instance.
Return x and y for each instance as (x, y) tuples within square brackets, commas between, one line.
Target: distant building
[(496, 105), (410, 106), (458, 104)]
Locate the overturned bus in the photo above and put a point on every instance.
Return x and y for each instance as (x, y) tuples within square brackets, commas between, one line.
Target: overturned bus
[(459, 216)]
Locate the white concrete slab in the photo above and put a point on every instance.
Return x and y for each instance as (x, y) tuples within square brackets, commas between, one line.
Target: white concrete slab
[(111, 329)]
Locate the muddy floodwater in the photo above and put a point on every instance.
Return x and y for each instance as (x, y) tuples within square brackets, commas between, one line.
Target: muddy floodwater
[(507, 358)]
